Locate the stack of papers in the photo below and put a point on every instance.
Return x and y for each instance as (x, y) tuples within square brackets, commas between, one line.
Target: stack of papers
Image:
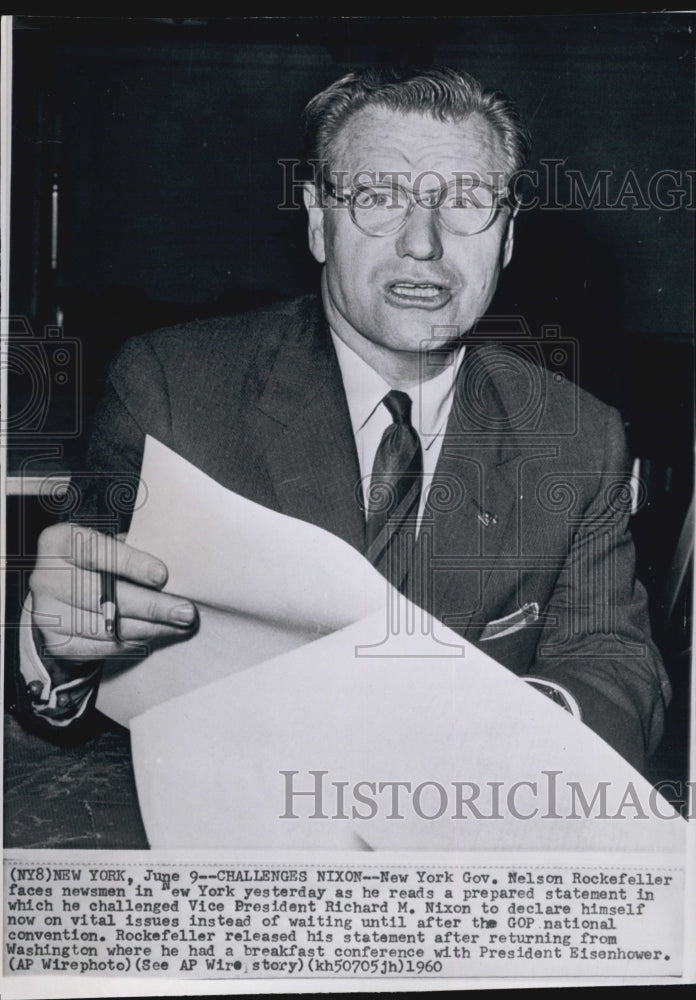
[(310, 674)]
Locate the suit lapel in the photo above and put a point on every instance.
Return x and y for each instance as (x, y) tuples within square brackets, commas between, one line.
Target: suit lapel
[(304, 429), (469, 514), (304, 432)]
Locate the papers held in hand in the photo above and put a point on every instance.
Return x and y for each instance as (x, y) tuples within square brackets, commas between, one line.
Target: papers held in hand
[(313, 689)]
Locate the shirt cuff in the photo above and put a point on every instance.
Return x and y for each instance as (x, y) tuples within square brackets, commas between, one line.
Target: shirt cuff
[(556, 693), (60, 704)]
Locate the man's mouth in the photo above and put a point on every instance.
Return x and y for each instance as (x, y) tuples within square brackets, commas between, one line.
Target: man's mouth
[(418, 293)]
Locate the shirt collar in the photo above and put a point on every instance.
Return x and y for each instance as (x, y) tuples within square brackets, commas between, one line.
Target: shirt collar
[(365, 389)]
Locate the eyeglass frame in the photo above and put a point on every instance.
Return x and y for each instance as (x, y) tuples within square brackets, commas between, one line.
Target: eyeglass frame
[(501, 199)]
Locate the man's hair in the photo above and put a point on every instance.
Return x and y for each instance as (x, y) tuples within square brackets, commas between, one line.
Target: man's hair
[(444, 94)]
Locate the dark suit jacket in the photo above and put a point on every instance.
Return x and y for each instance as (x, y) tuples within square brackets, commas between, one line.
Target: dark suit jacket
[(529, 504)]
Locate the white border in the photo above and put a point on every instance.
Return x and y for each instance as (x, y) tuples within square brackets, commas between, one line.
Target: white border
[(70, 987)]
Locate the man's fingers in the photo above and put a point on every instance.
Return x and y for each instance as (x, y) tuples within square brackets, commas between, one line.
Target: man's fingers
[(65, 607), (88, 549), (132, 630), (105, 553), (67, 635), (153, 606)]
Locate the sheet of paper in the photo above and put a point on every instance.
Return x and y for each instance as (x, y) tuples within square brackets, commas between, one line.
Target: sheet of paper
[(212, 768), (286, 581), (351, 686)]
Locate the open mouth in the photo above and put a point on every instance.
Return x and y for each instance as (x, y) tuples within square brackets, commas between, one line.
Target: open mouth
[(420, 293)]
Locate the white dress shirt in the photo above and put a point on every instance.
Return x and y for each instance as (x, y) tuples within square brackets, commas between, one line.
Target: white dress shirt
[(431, 405), (365, 389)]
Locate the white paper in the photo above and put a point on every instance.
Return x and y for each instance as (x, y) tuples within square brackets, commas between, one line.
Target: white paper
[(349, 679), (208, 765), (287, 582)]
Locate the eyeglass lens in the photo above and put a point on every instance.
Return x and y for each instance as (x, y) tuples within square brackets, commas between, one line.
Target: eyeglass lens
[(382, 209)]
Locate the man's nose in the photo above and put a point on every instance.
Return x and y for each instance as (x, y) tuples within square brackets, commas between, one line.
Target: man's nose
[(420, 236)]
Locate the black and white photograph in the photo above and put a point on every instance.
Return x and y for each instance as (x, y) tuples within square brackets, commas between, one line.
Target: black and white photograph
[(348, 518)]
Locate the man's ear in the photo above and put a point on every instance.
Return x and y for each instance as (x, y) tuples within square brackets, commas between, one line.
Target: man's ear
[(315, 213), (509, 239)]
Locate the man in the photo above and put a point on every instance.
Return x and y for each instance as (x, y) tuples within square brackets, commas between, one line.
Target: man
[(492, 494)]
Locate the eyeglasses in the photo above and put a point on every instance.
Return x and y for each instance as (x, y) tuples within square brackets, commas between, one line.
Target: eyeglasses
[(382, 209)]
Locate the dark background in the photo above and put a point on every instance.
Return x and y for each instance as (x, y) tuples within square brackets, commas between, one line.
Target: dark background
[(163, 138)]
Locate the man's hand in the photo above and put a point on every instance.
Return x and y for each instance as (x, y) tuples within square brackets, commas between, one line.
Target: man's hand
[(66, 588)]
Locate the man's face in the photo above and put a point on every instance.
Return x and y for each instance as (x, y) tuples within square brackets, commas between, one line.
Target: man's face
[(389, 297)]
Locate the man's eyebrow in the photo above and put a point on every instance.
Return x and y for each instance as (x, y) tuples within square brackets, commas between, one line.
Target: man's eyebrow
[(466, 183)]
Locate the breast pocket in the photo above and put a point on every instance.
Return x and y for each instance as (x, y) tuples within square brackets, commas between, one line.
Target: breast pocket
[(514, 622)]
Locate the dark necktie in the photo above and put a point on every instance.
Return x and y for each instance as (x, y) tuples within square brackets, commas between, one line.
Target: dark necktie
[(395, 490)]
